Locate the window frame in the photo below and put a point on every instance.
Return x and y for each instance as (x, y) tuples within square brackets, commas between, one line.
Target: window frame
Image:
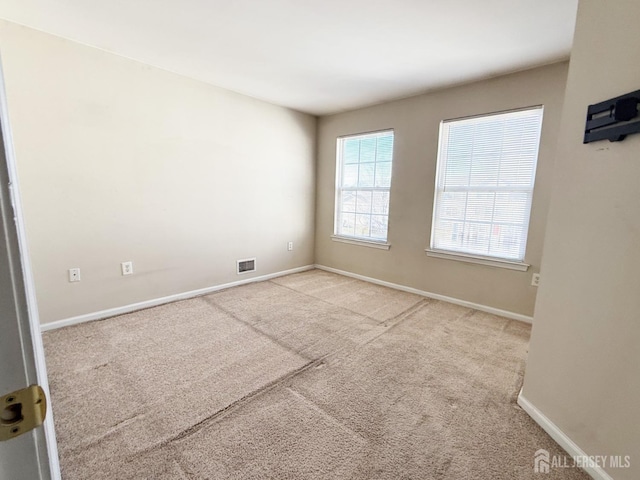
[(339, 189), (471, 257)]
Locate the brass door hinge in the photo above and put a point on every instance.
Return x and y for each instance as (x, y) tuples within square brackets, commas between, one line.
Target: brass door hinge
[(22, 411)]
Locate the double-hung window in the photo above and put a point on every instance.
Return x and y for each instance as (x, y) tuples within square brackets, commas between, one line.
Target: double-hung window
[(363, 182), (484, 185)]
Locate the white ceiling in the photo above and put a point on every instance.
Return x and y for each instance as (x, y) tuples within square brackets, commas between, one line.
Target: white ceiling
[(320, 56)]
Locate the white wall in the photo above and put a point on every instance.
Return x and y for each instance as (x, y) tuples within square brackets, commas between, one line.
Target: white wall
[(416, 123), (583, 370), (121, 161)]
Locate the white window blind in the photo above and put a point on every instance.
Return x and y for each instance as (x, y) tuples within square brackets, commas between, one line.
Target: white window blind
[(363, 182), (484, 184)]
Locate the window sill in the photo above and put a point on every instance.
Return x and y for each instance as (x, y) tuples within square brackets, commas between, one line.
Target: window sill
[(492, 262), (364, 243)]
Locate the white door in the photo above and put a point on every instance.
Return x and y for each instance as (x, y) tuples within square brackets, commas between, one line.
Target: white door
[(33, 455)]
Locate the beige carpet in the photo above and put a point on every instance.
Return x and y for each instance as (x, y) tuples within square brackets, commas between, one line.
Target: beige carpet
[(308, 376)]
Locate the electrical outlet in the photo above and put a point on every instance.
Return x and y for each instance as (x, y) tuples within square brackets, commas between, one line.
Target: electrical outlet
[(74, 274), (290, 246), (127, 268), (535, 280)]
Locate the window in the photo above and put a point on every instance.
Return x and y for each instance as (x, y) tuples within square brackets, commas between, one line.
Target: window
[(363, 181), (484, 184)]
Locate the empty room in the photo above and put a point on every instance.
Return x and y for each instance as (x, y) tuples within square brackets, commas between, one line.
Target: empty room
[(320, 240)]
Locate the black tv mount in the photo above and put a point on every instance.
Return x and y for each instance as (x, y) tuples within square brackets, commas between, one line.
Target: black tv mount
[(610, 120)]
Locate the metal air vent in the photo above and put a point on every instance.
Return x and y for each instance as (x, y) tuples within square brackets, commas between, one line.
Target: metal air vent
[(246, 266)]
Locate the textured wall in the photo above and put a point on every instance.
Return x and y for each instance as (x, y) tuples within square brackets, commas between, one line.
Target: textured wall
[(582, 371), (121, 161), (416, 123)]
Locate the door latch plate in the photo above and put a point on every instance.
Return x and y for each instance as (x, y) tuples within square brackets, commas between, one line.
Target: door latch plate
[(22, 411)]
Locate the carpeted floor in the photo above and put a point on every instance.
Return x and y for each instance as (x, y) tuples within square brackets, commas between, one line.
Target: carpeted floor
[(308, 376)]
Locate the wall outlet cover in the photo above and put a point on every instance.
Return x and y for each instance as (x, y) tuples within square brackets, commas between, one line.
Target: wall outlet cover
[(74, 274), (535, 280), (127, 268)]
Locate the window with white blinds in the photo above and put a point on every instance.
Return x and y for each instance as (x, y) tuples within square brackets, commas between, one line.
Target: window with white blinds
[(363, 182), (484, 184)]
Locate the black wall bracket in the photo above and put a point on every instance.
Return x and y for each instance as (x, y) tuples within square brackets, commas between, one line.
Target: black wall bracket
[(611, 119)]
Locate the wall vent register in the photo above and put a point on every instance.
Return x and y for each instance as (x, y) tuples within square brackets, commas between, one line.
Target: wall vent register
[(246, 265)]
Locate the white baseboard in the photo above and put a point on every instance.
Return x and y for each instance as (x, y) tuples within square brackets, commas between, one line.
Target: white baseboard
[(560, 437), (112, 312), (436, 296)]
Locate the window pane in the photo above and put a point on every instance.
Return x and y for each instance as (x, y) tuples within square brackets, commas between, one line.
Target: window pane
[(384, 151), (365, 178), (516, 171), (363, 225), (449, 235), (476, 238), (380, 203), (348, 224), (363, 204), (485, 160), (351, 150), (367, 150), (383, 174), (506, 241), (350, 176), (349, 201), (459, 154), (452, 205), (480, 206), (512, 207), (379, 224)]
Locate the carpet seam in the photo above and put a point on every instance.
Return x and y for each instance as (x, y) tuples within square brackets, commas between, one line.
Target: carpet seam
[(255, 329), (233, 406), (277, 382), (409, 310), (319, 409), (399, 319), (340, 306)]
